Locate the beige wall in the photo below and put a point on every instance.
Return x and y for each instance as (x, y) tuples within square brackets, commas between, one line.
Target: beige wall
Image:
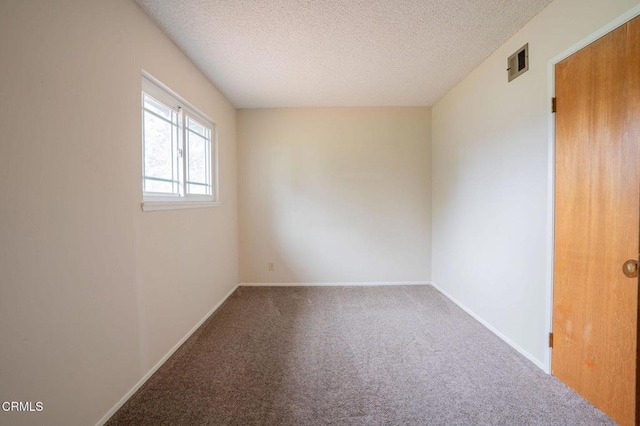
[(491, 178), (334, 195), (93, 291)]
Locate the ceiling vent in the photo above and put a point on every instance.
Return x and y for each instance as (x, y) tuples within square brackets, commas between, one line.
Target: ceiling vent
[(518, 63)]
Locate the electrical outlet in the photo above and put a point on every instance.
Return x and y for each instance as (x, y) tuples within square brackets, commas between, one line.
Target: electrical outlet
[(271, 267)]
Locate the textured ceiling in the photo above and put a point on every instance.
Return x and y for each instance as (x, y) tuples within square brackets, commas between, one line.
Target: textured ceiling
[(285, 53)]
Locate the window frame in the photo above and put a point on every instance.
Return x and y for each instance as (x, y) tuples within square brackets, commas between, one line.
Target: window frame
[(158, 91)]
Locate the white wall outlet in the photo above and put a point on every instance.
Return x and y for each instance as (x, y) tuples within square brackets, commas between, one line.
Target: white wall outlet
[(271, 267)]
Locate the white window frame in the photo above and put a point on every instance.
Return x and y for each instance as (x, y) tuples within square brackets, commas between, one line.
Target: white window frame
[(155, 89)]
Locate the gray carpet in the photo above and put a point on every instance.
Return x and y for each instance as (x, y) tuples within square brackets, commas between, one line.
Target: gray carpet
[(350, 356)]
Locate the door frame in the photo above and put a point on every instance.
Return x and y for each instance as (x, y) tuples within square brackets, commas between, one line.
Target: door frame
[(551, 91)]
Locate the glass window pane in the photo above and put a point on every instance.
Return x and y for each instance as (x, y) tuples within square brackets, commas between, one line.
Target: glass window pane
[(158, 186), (158, 147), (197, 127), (198, 189), (197, 159), (160, 160), (156, 107)]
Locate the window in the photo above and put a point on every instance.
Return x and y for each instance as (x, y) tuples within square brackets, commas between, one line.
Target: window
[(179, 151)]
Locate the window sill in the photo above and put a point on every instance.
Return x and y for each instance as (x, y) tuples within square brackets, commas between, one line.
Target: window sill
[(151, 206)]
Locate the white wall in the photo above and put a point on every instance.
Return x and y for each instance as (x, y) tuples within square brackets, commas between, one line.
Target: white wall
[(334, 195), (490, 177), (93, 291)]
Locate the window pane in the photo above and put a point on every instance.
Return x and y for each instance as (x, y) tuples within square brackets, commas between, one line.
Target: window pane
[(159, 154), (198, 158), (198, 189), (158, 147), (197, 127), (151, 185), (156, 107)]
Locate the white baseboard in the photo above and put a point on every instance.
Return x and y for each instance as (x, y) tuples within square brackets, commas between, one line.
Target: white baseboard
[(146, 377), (342, 284), (510, 342)]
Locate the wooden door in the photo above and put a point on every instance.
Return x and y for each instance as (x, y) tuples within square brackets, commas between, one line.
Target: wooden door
[(597, 221)]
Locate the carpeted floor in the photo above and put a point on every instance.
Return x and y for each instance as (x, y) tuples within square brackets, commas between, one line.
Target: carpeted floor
[(350, 356)]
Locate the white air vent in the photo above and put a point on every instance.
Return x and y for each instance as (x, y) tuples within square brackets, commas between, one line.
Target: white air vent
[(518, 63)]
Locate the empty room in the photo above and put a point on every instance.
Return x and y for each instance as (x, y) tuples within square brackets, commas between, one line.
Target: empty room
[(293, 212)]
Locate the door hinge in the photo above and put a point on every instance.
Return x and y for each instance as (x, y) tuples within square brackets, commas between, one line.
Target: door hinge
[(551, 340), (553, 105)]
